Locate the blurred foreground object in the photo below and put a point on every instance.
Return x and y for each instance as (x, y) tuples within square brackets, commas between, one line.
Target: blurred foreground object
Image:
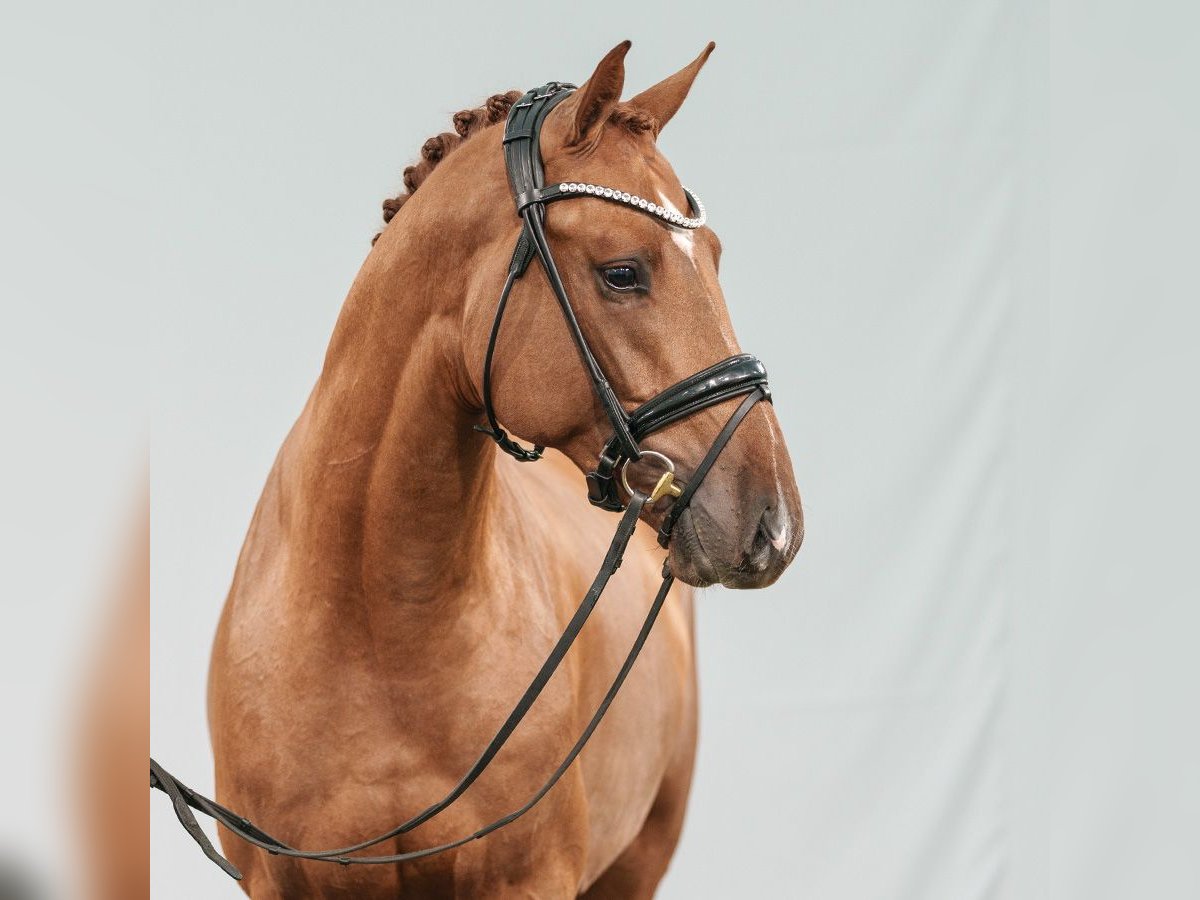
[(114, 736)]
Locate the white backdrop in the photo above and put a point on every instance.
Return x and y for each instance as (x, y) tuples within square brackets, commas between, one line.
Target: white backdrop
[(961, 234)]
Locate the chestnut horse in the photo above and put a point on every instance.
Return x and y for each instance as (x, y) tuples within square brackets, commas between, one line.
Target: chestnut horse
[(401, 580)]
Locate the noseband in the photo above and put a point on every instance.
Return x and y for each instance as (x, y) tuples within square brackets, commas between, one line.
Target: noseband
[(741, 375)]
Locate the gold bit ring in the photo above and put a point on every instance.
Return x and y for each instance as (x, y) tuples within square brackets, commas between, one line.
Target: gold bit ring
[(666, 486)]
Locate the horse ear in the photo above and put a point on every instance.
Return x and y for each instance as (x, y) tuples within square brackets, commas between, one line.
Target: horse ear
[(663, 100), (599, 95)]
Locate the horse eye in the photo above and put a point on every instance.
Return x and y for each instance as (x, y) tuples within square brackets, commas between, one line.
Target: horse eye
[(621, 278)]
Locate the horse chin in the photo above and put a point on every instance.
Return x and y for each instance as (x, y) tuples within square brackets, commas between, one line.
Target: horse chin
[(700, 555), (689, 561)]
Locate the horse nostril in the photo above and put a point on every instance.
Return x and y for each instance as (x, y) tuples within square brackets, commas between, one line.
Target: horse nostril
[(773, 528), (768, 543)]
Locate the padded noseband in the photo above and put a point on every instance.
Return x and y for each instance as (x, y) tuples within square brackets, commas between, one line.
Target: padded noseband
[(729, 378)]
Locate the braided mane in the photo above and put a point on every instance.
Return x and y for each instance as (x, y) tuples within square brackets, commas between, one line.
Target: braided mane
[(469, 122)]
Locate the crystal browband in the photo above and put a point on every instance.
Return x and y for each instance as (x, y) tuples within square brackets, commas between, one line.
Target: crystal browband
[(578, 189)]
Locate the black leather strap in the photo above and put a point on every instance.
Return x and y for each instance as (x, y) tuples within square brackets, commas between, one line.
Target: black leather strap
[(163, 780), (184, 797), (523, 160), (693, 484), (520, 259), (608, 399), (522, 134), (643, 633)]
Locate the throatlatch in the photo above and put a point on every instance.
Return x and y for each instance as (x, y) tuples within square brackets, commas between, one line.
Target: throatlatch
[(733, 377)]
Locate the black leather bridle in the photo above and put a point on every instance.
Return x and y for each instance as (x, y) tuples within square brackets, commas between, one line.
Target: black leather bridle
[(741, 374), (733, 377)]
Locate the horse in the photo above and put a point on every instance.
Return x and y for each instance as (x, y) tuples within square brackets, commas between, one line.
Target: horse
[(401, 579)]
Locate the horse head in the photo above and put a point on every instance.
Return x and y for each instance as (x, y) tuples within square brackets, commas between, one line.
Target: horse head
[(645, 294)]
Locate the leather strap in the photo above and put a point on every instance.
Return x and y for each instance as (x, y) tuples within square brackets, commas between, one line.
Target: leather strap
[(693, 484), (184, 797), (163, 780), (523, 161), (608, 399), (275, 847), (520, 259)]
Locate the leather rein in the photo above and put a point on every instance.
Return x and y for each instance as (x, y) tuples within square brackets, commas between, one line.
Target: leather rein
[(736, 376)]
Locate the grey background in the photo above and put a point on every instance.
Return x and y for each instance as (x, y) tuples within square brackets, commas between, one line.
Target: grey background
[(962, 236)]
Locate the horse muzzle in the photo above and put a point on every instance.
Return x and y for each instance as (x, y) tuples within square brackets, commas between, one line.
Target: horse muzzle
[(740, 549)]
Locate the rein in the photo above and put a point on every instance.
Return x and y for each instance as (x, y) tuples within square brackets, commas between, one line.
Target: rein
[(735, 376)]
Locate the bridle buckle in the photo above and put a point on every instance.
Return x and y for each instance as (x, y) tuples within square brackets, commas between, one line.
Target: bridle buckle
[(551, 88)]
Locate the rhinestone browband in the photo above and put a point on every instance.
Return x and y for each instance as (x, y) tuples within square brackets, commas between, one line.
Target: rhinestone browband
[(670, 216)]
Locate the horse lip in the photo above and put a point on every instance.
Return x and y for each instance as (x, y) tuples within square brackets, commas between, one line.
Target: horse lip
[(697, 559)]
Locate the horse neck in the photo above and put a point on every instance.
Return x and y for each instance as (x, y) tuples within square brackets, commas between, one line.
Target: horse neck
[(387, 487)]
